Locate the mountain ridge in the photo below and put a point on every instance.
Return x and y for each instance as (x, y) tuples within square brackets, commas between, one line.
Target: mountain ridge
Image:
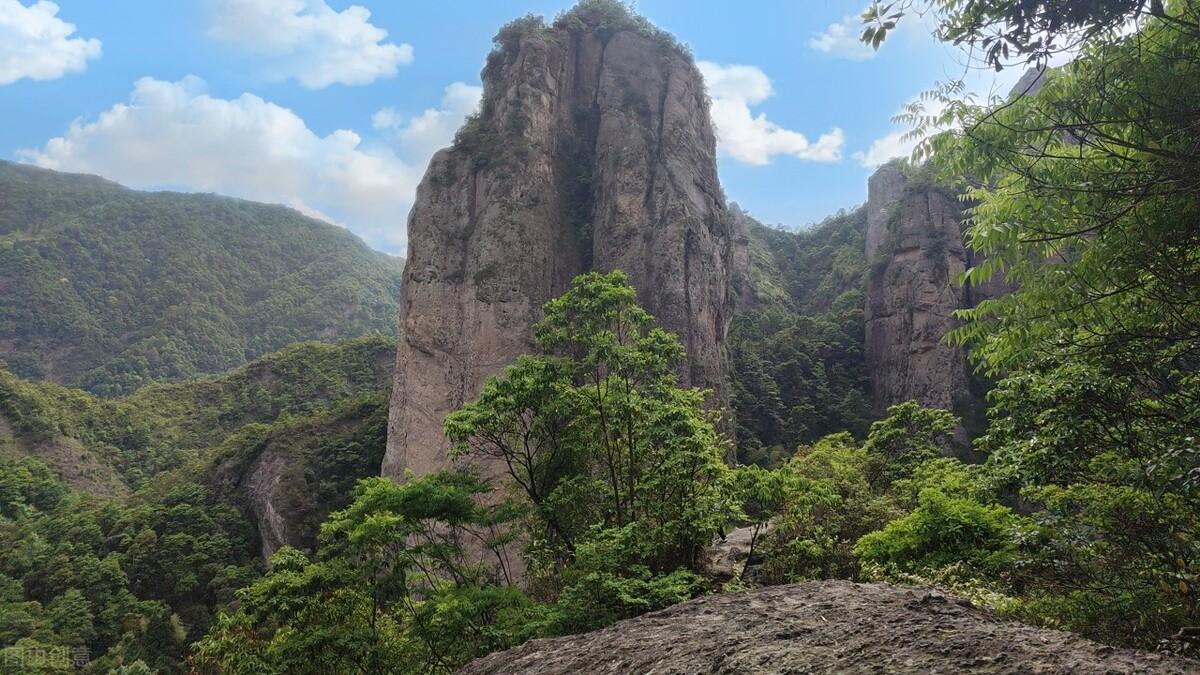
[(111, 288)]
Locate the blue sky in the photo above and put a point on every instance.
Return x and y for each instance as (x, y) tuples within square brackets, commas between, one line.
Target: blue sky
[(334, 107)]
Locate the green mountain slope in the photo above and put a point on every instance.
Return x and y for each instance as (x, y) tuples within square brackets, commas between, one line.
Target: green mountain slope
[(107, 288), (110, 445), (142, 514), (797, 351)]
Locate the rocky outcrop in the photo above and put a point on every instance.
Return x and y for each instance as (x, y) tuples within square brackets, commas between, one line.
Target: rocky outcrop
[(736, 555), (743, 285), (288, 477), (824, 627), (278, 499), (592, 149), (915, 254)]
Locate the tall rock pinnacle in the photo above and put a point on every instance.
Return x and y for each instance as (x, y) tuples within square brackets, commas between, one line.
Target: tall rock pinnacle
[(916, 253), (592, 149)]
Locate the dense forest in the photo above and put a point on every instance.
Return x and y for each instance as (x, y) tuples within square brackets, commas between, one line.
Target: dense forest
[(108, 288), (125, 521), (796, 346), (586, 484)]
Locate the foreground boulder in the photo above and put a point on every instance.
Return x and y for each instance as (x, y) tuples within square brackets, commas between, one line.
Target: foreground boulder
[(821, 627)]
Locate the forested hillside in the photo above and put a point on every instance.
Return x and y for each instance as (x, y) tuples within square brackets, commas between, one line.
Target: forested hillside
[(111, 445), (797, 347), (108, 289), (125, 523)]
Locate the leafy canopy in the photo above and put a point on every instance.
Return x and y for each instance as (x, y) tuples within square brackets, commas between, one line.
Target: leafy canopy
[(597, 433)]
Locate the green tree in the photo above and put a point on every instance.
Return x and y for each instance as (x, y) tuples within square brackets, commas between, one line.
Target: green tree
[(1083, 196), (907, 437), (391, 590), (1007, 31), (761, 494), (945, 530), (828, 503), (71, 617), (597, 433)]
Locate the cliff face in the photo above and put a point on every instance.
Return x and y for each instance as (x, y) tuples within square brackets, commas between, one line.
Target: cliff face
[(915, 254), (593, 149), (288, 478)]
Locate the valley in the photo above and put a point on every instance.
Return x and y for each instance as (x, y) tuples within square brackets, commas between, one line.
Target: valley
[(599, 417)]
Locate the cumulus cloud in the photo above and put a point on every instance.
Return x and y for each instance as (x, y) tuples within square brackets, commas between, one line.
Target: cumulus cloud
[(36, 44), (173, 134), (750, 138), (840, 40), (882, 149), (309, 41), (434, 128), (980, 84), (744, 83)]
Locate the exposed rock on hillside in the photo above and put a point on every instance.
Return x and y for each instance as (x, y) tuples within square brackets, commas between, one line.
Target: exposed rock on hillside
[(824, 627), (593, 149), (288, 477), (915, 252)]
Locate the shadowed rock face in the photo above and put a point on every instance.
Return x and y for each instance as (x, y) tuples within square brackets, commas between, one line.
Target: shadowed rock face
[(824, 627), (915, 252), (593, 149)]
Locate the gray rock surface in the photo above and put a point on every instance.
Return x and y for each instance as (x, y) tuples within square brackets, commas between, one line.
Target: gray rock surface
[(915, 254), (270, 492), (737, 555), (824, 627), (593, 149), (743, 286)]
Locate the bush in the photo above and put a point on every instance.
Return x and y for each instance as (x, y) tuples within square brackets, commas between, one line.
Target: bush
[(944, 530), (828, 505)]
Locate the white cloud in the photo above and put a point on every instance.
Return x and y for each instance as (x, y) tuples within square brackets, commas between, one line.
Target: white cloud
[(173, 134), (885, 148), (309, 41), (434, 128), (36, 44), (980, 84), (750, 138), (840, 40), (743, 83)]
